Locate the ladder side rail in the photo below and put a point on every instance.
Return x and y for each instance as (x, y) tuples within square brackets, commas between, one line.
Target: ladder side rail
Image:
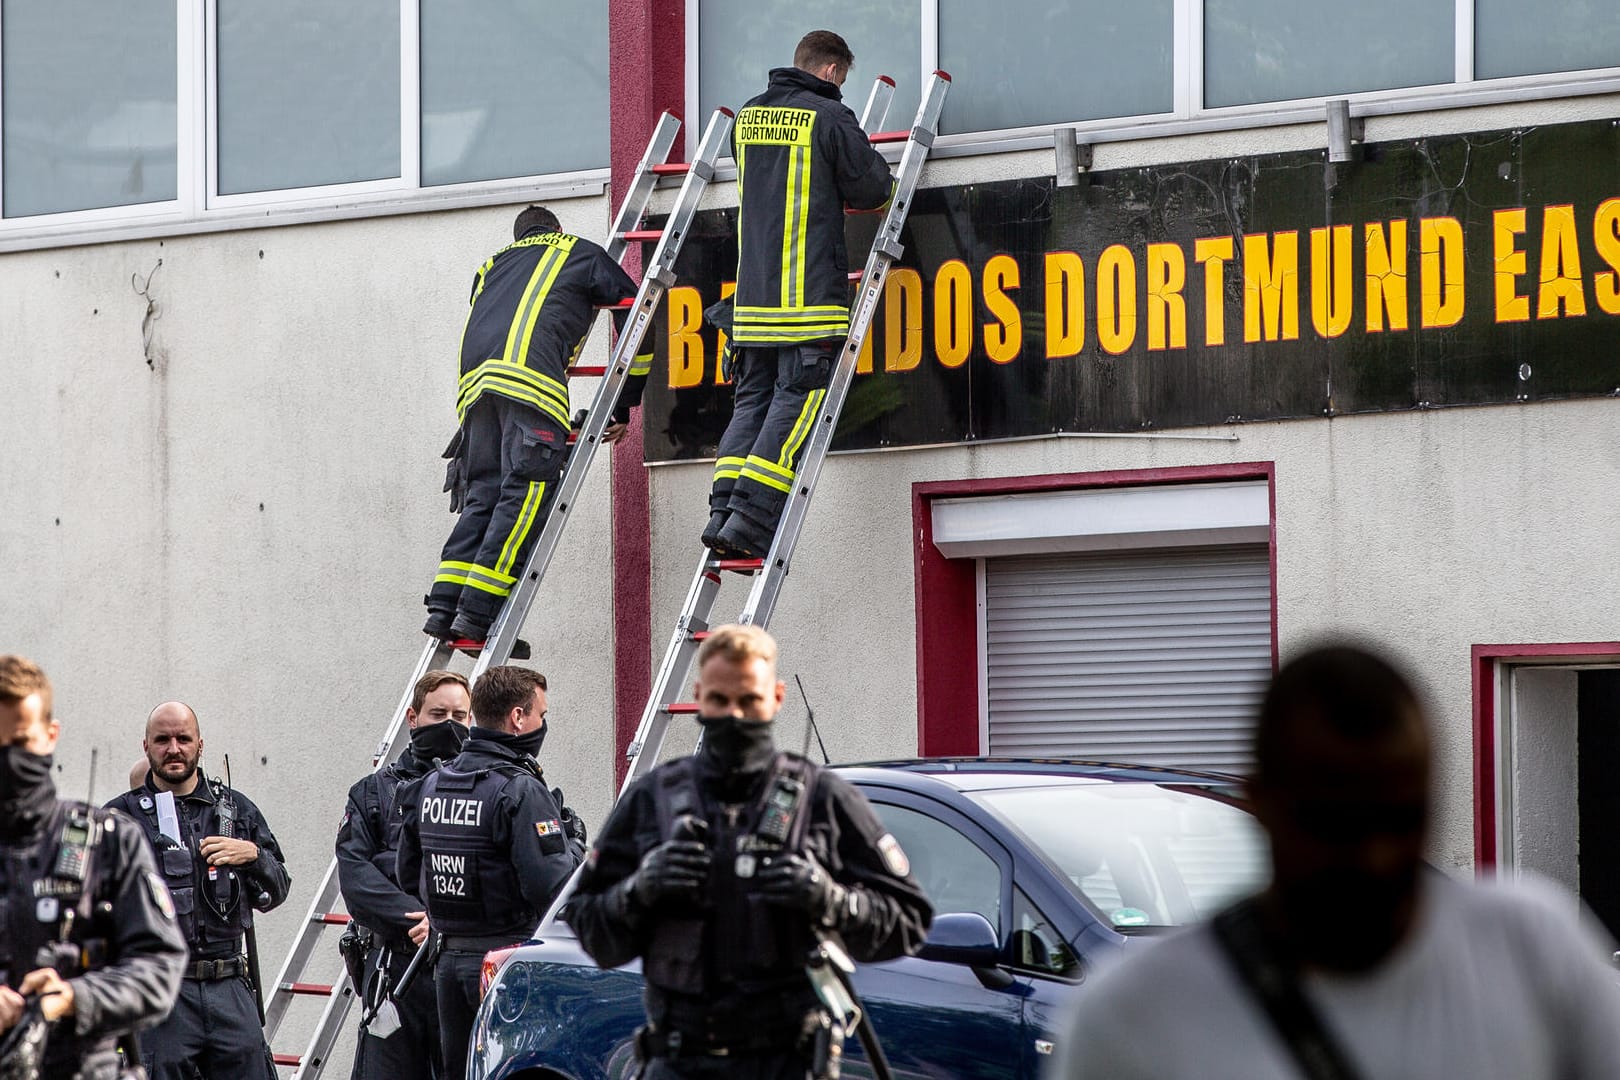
[(642, 183), (298, 956), (319, 1051), (886, 249), (877, 104), (694, 618), (660, 275)]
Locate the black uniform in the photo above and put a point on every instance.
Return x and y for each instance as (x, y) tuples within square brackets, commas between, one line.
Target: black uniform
[(367, 851), (485, 842), (801, 156), (215, 1027), (532, 304), (123, 954), (726, 989)]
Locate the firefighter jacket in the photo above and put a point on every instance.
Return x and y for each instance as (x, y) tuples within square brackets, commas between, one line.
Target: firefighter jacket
[(801, 156), (532, 305)]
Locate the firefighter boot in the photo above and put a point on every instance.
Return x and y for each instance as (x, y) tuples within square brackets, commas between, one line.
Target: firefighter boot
[(746, 538)]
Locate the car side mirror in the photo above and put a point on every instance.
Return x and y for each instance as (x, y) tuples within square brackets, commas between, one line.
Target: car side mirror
[(962, 937)]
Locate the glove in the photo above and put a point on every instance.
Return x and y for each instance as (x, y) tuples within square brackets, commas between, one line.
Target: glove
[(798, 881), (455, 473), (676, 870), (573, 826)]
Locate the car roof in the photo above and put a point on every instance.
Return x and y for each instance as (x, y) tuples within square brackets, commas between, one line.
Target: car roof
[(990, 773)]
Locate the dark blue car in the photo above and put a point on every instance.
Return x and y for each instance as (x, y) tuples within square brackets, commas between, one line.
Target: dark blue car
[(1038, 871)]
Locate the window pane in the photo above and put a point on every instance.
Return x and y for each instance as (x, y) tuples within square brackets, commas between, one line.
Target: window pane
[(954, 872), (308, 93), (89, 104), (513, 88), (1276, 50), (1512, 37), (1044, 62), (739, 41)]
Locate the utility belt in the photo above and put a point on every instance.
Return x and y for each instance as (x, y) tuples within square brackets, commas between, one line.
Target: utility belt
[(716, 1039), (480, 943), (227, 967)]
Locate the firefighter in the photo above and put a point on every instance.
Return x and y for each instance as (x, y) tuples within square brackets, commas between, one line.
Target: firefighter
[(389, 921), (223, 865), (721, 869), (487, 845), (89, 947), (532, 304), (804, 157)]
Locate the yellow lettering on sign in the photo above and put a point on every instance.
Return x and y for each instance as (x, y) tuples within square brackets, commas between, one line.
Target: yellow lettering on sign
[(1065, 304), (1271, 287), (1166, 307), (1440, 263), (1116, 299), (953, 313), (685, 307), (760, 125), (1386, 276), (1506, 225), (1003, 339), (1330, 280), (1606, 237), (1562, 292), (902, 319), (1214, 252), (727, 288)]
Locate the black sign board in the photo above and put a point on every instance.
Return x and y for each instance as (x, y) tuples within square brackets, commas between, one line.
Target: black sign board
[(1462, 270)]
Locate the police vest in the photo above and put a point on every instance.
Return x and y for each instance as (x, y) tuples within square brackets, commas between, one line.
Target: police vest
[(64, 881), (749, 939), (381, 806), (210, 902), (468, 881)]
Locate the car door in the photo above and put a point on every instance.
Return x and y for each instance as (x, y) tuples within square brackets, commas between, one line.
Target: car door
[(942, 1019)]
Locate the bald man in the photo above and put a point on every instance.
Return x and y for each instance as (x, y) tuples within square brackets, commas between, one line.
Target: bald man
[(221, 864)]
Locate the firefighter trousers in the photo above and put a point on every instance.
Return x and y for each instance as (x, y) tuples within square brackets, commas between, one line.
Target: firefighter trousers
[(513, 457), (779, 394)]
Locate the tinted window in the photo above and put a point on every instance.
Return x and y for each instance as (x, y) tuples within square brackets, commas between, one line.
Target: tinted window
[(1036, 944)]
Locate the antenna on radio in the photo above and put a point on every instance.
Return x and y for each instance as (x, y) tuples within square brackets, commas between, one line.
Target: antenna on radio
[(810, 724)]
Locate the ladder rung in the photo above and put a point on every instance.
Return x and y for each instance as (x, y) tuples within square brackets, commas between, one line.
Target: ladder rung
[(672, 168), (739, 566), (312, 989), (287, 1059), (623, 305), (880, 137), (884, 209), (700, 635), (332, 918), (678, 707), (855, 275), (642, 236), (589, 371)]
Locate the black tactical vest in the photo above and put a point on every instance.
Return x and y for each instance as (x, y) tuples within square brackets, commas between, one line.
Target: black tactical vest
[(468, 882), (62, 880), (210, 902), (748, 939)]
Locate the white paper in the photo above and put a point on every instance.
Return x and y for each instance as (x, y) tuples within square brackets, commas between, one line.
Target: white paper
[(168, 820)]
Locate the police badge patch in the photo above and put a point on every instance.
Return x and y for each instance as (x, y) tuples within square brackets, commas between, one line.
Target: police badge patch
[(547, 828), (894, 857), (160, 895)]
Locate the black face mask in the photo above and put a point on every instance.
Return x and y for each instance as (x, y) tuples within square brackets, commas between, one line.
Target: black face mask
[(736, 745), (529, 742), (441, 741), (26, 790)]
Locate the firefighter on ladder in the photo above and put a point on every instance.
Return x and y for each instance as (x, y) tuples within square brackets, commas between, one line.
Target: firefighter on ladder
[(532, 305), (801, 157)]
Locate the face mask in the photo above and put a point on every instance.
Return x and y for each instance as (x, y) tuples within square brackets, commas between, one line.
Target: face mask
[(25, 784), (738, 745), (529, 742), (441, 741)]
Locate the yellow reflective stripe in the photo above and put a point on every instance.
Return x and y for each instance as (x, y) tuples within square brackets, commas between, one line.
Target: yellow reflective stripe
[(542, 398), (801, 430), (474, 568), (515, 391), (789, 229), (450, 579), (820, 311), (767, 479), (642, 364), (799, 241), (520, 527), (542, 382), (514, 333), (493, 590), (728, 468), (788, 336), (757, 462)]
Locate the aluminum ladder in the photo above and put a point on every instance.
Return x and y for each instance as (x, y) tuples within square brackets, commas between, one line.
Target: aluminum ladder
[(770, 572), (294, 980)]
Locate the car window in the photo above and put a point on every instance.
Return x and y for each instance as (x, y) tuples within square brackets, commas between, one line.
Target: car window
[(1036, 945), (953, 871)]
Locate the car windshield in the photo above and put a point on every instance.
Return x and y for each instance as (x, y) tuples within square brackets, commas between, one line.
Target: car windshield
[(1141, 855)]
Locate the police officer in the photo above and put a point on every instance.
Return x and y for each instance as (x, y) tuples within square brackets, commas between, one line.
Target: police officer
[(221, 863), (720, 869), (88, 939), (532, 304), (804, 157), (392, 922), (487, 845)]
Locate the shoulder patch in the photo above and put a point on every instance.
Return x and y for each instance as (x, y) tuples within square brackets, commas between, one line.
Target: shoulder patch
[(547, 828), (894, 857), (160, 895)]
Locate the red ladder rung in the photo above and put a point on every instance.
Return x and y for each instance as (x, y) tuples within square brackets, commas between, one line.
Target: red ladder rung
[(875, 210), (623, 305), (588, 371), (739, 566), (678, 707), (700, 635), (332, 918), (642, 236), (672, 168), (855, 275), (287, 1059), (880, 137), (312, 989)]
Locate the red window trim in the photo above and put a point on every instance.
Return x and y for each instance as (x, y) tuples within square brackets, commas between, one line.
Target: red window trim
[(1485, 659), (947, 598)]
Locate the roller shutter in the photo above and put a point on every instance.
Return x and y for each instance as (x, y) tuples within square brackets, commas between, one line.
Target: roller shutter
[(1157, 657)]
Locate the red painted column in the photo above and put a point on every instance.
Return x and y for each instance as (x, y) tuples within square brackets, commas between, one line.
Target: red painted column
[(646, 75)]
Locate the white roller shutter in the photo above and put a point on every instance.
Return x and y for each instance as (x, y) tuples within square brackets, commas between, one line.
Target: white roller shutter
[(1156, 658)]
